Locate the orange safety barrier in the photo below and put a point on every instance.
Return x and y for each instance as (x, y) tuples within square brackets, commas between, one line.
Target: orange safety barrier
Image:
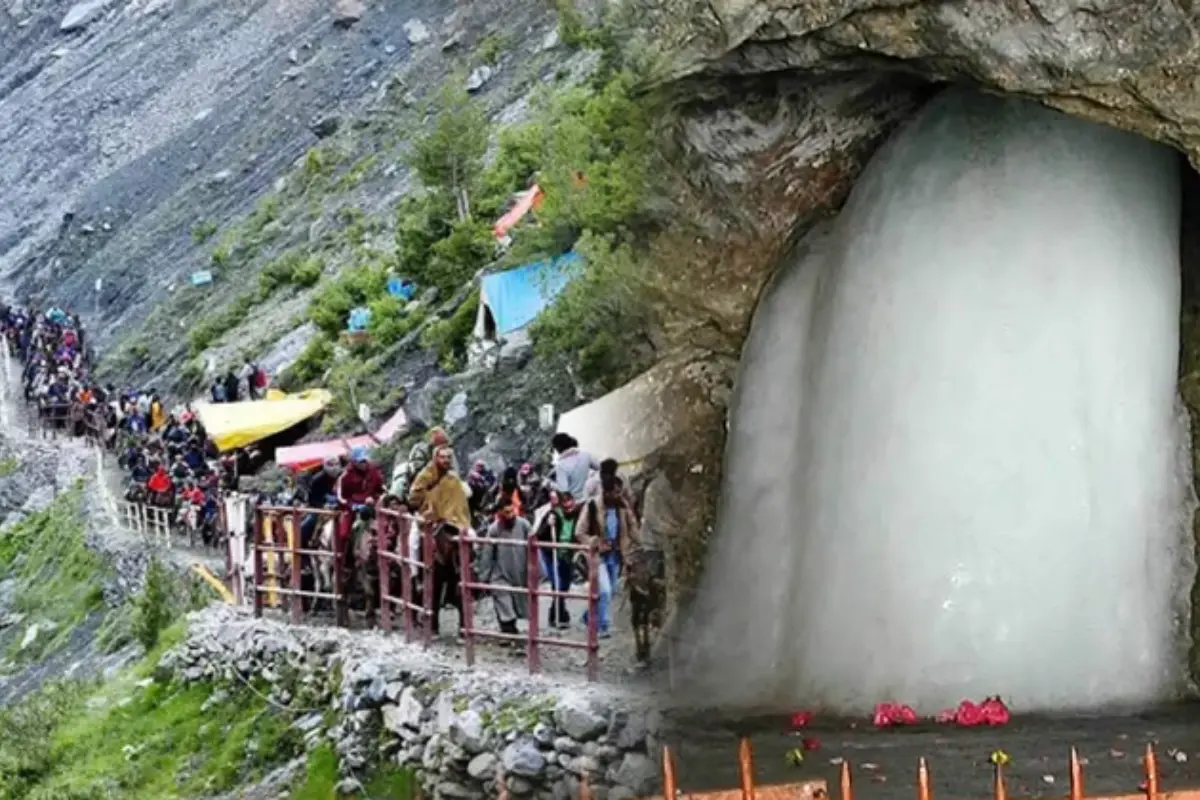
[(270, 554), (818, 789)]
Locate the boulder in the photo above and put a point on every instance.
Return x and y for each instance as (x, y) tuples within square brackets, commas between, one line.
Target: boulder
[(483, 766), (466, 731), (326, 126), (456, 410), (479, 77), (638, 773), (523, 759), (410, 710), (347, 12), (83, 14), (577, 719), (416, 32)]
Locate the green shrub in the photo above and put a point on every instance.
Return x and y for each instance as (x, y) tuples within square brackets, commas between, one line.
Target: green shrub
[(598, 320), (490, 48), (222, 255), (152, 610), (389, 321), (213, 327), (450, 337), (519, 155), (203, 231), (192, 373), (422, 220), (312, 362), (27, 730), (292, 268), (571, 29), (457, 257), (355, 287), (449, 158), (307, 273)]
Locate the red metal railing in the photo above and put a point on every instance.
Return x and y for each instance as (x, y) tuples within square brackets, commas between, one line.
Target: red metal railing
[(392, 532), (532, 590), (290, 553), (393, 550)]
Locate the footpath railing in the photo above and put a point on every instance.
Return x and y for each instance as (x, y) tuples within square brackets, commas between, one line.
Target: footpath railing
[(410, 567), (818, 789), (271, 565), (279, 560)]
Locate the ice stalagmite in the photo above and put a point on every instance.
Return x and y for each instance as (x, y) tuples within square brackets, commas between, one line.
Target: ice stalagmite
[(954, 465)]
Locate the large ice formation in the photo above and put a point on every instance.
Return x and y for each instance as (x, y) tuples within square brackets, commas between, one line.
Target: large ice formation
[(954, 463)]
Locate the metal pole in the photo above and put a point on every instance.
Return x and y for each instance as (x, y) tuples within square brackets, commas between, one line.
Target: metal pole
[(427, 585), (593, 639), (532, 580), (258, 563), (296, 602), (468, 596), (383, 527)]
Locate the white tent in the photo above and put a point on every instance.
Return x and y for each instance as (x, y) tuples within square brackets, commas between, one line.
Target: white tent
[(627, 424)]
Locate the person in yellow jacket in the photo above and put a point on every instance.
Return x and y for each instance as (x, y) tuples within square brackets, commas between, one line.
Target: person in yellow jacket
[(158, 414)]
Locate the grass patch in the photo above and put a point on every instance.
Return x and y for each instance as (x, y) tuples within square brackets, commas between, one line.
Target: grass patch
[(203, 231), (59, 580), (9, 466), (161, 741), (321, 775)]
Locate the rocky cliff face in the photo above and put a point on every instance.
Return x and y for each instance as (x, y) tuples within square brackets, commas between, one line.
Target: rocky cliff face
[(781, 103), (126, 124)]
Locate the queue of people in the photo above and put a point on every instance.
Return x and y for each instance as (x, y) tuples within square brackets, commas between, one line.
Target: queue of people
[(167, 459), (568, 506)]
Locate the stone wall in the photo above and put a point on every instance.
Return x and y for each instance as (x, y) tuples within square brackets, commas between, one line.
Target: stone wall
[(374, 698)]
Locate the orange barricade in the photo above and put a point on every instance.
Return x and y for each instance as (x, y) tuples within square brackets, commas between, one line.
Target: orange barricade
[(819, 790)]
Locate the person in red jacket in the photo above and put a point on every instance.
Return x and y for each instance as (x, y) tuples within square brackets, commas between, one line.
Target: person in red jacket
[(362, 482), (159, 487)]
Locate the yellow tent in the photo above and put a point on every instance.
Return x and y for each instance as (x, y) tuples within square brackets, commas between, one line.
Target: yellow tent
[(234, 425)]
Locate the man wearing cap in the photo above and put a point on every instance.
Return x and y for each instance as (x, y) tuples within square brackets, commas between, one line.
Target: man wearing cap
[(362, 482)]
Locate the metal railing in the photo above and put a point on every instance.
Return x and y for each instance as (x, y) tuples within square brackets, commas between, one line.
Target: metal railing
[(279, 560), (393, 533), (532, 590), (153, 521)]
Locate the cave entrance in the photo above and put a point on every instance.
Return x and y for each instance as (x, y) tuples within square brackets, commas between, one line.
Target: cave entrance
[(956, 440)]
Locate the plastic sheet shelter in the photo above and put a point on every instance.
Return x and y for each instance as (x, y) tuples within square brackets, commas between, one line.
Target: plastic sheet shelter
[(234, 425), (510, 300), (628, 424), (303, 457), (527, 201)]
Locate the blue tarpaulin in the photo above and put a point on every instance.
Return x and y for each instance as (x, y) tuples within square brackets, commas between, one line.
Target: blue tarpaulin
[(401, 288), (515, 297), (202, 278), (359, 319)]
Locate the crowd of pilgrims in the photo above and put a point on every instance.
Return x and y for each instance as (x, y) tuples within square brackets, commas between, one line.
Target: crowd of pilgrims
[(167, 458), (170, 463)]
